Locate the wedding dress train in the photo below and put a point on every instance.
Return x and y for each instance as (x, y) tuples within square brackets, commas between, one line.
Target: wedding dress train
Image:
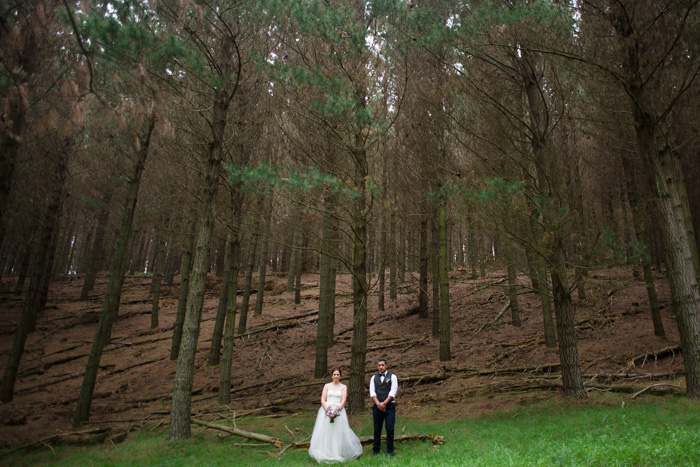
[(333, 442)]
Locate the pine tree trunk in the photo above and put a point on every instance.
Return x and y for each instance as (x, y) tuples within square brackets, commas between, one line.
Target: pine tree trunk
[(512, 285), (158, 270), (11, 140), (84, 258), (182, 389), (137, 261), (326, 307), (383, 245), (391, 255), (472, 248), (185, 269), (39, 279), (224, 396), (291, 272), (113, 294), (572, 381), (23, 268), (664, 169), (638, 222), (358, 347), (445, 354), (221, 312), (435, 255), (423, 268), (297, 276), (401, 256), (263, 258), (250, 267)]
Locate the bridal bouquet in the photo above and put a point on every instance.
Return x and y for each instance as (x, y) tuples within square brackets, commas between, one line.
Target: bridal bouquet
[(332, 412)]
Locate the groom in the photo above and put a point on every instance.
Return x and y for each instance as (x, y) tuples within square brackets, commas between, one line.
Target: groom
[(382, 390)]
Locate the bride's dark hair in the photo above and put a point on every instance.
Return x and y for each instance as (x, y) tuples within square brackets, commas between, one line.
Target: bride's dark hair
[(338, 370)]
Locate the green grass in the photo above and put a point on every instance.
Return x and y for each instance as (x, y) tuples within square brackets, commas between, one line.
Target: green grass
[(652, 432)]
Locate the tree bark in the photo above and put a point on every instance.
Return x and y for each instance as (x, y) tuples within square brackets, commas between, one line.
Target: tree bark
[(326, 307), (40, 278), (291, 272), (680, 248), (224, 396), (182, 389), (572, 381), (512, 285), (638, 222), (445, 354), (358, 347), (391, 255), (263, 256), (185, 268), (111, 300), (222, 310), (158, 271), (250, 267), (96, 257), (423, 267), (435, 255)]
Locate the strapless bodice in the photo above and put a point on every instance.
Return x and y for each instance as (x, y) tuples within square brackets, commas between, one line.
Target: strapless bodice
[(333, 396)]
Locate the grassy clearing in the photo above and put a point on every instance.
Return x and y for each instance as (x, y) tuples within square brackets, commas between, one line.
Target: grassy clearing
[(650, 432)]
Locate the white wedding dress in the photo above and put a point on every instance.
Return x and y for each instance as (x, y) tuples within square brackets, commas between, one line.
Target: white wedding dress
[(333, 442)]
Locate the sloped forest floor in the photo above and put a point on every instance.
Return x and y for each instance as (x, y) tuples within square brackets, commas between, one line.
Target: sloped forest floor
[(273, 364)]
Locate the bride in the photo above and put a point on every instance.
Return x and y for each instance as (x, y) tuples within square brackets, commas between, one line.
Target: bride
[(332, 439)]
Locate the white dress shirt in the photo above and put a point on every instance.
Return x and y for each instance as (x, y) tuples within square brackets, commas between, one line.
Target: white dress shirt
[(392, 391)]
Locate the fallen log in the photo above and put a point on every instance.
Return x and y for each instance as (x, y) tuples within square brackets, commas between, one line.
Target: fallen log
[(242, 433), (493, 321), (656, 387)]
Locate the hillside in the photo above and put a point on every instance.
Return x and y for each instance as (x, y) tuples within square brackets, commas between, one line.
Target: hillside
[(275, 361)]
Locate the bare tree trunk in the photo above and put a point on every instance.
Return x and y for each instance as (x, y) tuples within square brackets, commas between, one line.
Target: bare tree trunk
[(40, 278), (291, 272), (512, 284), (664, 169), (445, 354), (182, 389), (185, 268), (572, 380), (215, 349), (435, 255), (638, 222), (326, 309), (391, 255), (358, 347), (401, 255), (252, 249), (383, 245), (423, 267), (24, 267), (224, 396), (297, 273), (97, 251), (263, 257), (111, 300), (472, 247), (158, 270)]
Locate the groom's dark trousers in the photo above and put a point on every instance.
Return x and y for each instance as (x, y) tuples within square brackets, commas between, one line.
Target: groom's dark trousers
[(384, 418)]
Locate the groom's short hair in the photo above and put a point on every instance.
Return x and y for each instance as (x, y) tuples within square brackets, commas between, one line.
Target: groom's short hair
[(382, 360)]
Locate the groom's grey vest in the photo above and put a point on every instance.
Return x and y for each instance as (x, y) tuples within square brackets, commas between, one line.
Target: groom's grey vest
[(382, 389)]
